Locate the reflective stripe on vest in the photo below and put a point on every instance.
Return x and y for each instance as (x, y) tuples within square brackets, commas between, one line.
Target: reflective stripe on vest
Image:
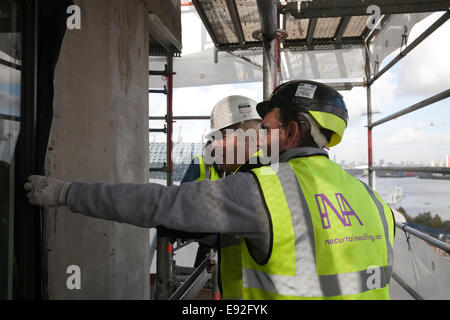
[(230, 260), (331, 236)]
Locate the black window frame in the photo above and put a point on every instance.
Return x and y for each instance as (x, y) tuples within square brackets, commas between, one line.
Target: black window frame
[(27, 219)]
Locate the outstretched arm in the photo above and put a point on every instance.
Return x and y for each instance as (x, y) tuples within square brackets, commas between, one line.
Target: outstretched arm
[(232, 205)]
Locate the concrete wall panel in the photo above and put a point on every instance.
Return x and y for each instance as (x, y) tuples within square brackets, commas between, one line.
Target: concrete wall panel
[(100, 134)]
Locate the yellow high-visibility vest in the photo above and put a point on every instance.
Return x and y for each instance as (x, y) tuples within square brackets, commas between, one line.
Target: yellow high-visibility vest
[(206, 171), (332, 236)]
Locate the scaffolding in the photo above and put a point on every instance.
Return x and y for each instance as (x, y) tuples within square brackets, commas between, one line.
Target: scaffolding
[(343, 18), (427, 102), (173, 282)]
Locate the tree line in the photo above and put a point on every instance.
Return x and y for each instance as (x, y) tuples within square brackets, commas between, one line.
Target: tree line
[(427, 219)]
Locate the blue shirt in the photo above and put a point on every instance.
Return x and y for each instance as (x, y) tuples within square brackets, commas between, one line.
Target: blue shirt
[(192, 173)]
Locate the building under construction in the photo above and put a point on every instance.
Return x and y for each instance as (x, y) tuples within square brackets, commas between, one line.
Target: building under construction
[(77, 80)]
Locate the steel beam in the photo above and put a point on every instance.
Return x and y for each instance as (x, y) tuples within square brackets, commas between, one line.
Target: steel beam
[(162, 35), (162, 91), (341, 8), (158, 169), (245, 59), (343, 24), (407, 288), (269, 67), (443, 170), (164, 72), (169, 120), (182, 118), (163, 130), (234, 14), (369, 121), (311, 29), (417, 106), (164, 276), (194, 283), (165, 282), (202, 14), (316, 44), (323, 42), (431, 240), (278, 75), (341, 86), (414, 44), (268, 10)]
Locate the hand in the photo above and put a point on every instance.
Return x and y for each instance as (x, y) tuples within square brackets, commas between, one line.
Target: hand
[(46, 191)]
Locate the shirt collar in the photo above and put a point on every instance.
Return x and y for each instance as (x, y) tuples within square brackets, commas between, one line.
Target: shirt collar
[(301, 152)]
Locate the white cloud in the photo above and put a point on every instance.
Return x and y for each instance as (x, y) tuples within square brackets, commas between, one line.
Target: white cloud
[(426, 70), (423, 73), (406, 136), (383, 93)]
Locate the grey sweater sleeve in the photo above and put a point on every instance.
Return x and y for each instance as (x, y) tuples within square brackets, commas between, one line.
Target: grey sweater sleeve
[(232, 205)]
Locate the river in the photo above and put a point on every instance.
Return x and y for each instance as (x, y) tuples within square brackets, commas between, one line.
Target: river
[(420, 195)]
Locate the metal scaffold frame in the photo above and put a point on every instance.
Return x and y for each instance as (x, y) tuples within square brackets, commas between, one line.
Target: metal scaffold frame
[(167, 276), (270, 38), (163, 246), (427, 102), (370, 125)]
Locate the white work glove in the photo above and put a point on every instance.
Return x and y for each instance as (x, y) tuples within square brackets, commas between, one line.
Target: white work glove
[(46, 192)]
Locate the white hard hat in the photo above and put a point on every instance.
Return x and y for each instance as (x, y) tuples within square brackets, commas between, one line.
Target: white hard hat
[(232, 110)]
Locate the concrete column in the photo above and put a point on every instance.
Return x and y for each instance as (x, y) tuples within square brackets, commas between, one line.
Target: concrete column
[(100, 134)]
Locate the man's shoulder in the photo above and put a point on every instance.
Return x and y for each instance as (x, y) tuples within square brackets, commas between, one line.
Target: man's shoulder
[(192, 172)]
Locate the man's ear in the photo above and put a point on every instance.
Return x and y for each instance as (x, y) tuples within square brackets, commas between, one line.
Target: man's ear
[(292, 129)]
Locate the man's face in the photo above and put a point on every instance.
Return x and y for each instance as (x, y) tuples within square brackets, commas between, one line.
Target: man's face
[(235, 145), (273, 137)]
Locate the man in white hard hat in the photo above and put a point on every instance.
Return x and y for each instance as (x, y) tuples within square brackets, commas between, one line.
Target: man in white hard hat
[(234, 129), (229, 115)]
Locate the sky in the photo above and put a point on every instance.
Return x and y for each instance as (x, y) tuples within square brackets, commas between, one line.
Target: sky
[(419, 137)]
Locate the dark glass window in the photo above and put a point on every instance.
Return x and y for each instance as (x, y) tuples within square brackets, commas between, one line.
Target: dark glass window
[(10, 116)]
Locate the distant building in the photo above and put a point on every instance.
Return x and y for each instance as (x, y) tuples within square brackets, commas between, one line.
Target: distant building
[(448, 160), (182, 155)]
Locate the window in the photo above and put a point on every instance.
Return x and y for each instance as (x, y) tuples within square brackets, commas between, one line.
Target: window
[(10, 117)]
